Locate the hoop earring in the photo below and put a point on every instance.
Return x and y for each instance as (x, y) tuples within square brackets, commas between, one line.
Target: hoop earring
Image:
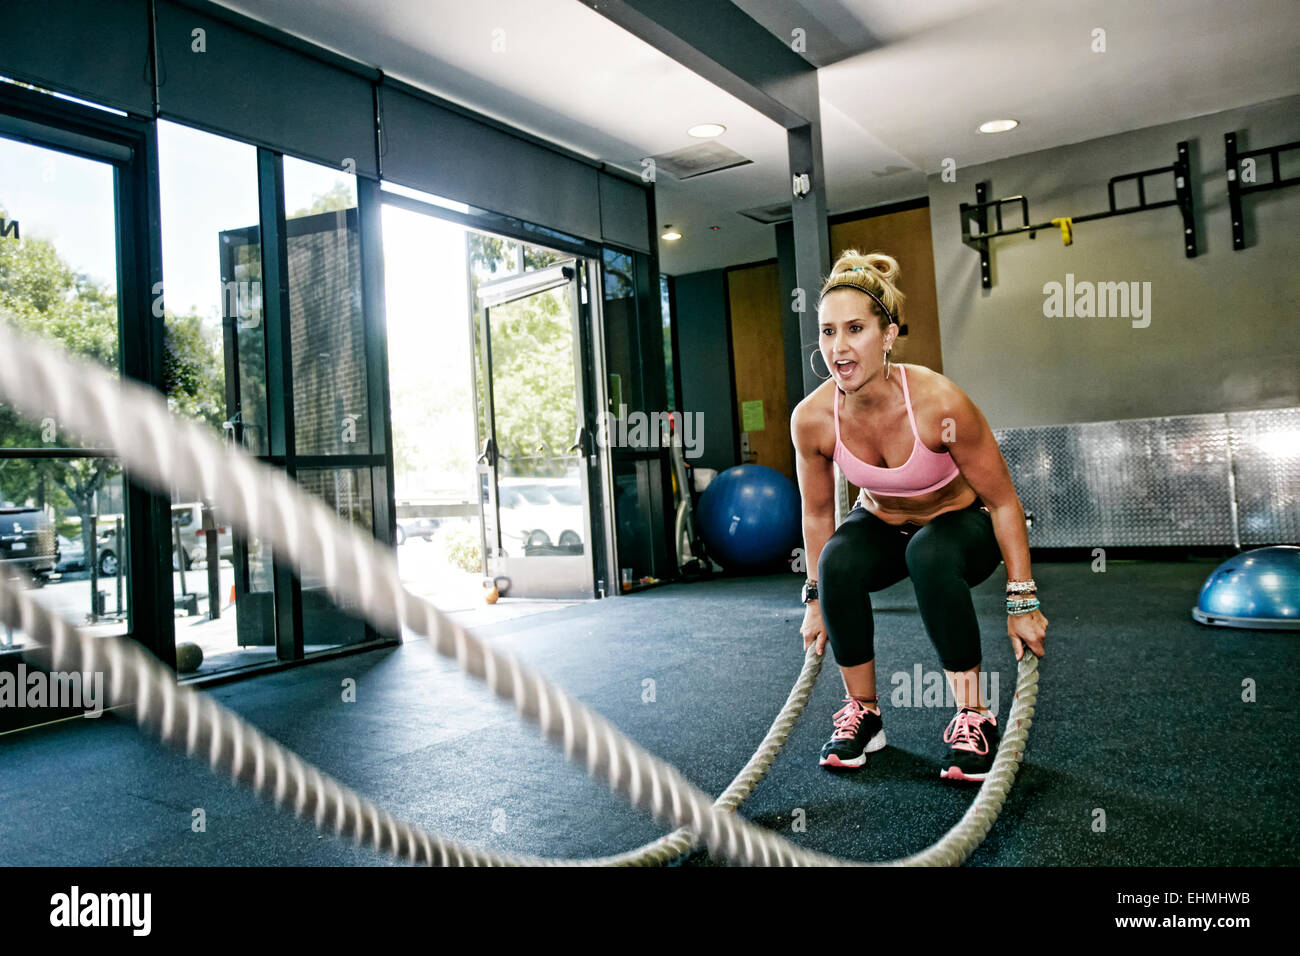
[(887, 364), (813, 355)]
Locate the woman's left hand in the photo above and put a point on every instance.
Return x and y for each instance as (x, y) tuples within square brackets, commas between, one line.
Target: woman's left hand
[(1027, 630)]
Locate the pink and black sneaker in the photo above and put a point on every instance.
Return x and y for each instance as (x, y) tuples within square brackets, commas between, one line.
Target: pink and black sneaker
[(858, 732), (974, 739)]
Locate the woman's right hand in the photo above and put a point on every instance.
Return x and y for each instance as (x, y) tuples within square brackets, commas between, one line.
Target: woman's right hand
[(813, 629)]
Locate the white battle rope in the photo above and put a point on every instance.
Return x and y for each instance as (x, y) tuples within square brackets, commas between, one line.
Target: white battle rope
[(169, 454)]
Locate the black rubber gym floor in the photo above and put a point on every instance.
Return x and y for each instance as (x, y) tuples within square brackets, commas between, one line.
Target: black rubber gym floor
[(1142, 752)]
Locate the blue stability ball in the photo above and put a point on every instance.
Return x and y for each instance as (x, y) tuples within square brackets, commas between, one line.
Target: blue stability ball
[(750, 518), (1259, 589)]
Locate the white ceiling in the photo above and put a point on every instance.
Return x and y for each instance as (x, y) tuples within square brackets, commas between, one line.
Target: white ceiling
[(903, 85)]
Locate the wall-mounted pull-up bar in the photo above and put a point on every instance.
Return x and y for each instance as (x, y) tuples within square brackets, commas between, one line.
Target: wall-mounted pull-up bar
[(976, 213), (1237, 175)]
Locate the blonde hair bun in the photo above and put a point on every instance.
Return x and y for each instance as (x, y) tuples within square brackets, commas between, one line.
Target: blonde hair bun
[(851, 259)]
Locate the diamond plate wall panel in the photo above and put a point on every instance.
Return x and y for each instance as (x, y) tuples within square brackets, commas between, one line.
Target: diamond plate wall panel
[(1169, 485), (1044, 463), (1159, 481), (1266, 465)]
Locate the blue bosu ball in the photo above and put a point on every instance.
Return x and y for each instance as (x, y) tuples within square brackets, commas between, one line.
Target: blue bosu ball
[(1257, 589), (750, 518)]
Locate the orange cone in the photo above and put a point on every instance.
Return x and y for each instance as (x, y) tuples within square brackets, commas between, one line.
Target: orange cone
[(231, 602)]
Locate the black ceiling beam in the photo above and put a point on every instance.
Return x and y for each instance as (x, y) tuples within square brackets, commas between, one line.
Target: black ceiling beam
[(720, 42)]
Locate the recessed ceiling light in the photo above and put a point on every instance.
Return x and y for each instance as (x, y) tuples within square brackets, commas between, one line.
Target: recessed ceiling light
[(998, 126), (671, 234), (707, 130)]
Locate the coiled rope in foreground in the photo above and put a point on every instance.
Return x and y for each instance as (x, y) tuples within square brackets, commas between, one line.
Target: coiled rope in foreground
[(167, 453)]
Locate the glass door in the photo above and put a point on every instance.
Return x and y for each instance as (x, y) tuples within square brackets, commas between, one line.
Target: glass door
[(63, 517), (538, 456)]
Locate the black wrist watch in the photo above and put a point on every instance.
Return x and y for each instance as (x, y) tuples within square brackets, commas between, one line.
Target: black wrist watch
[(809, 592)]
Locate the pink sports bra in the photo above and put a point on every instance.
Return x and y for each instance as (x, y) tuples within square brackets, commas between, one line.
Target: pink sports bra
[(923, 472)]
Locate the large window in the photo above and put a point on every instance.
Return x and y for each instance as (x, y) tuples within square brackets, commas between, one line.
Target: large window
[(328, 330), (336, 454)]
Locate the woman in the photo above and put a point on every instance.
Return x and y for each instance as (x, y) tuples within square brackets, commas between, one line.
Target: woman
[(937, 504)]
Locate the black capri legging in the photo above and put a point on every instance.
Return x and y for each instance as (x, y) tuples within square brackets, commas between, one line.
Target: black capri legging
[(945, 558)]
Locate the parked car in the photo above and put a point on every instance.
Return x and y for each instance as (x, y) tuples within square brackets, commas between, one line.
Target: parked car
[(28, 541), (72, 555), (107, 551), (424, 528), (540, 513), (194, 543)]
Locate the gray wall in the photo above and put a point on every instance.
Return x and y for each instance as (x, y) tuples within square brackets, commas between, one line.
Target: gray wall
[(1223, 331), (704, 357)]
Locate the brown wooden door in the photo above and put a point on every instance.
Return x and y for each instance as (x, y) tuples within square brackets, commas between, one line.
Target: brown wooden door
[(758, 353), (905, 236)]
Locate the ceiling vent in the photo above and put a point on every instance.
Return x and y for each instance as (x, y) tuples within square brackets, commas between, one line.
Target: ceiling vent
[(768, 215), (699, 159)]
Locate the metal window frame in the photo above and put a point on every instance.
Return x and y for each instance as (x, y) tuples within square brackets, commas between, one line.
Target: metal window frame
[(290, 638)]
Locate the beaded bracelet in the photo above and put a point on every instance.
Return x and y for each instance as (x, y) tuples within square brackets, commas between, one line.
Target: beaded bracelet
[(1024, 606), (1021, 587)]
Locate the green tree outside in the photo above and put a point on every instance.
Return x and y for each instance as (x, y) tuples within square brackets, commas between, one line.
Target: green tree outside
[(534, 386), (41, 293)]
